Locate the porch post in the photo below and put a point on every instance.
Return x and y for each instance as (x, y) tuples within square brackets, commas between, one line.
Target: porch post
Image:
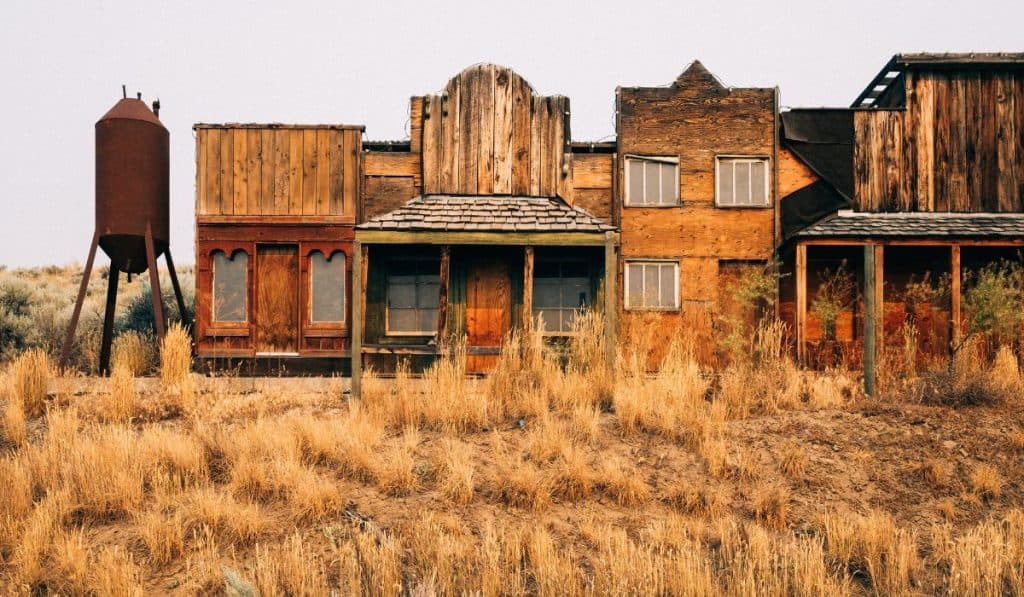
[(870, 316), (442, 301), (611, 303), (954, 294), (358, 298), (801, 304), (527, 321), (879, 301)]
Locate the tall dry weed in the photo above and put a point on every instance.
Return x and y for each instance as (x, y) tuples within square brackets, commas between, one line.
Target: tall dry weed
[(132, 351), (29, 377)]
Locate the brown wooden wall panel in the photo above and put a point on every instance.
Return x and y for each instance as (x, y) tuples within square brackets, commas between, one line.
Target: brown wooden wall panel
[(382, 194), (956, 146), (247, 170), (724, 233), (489, 134), (793, 174)]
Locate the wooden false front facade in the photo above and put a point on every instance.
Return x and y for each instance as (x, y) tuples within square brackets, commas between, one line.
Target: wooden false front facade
[(314, 243)]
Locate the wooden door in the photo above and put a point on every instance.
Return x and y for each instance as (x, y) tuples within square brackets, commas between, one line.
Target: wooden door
[(488, 311), (277, 299)]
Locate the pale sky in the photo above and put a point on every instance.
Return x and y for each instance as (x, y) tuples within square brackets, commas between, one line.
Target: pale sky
[(62, 65)]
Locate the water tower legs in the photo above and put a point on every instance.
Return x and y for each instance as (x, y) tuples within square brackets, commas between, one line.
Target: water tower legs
[(154, 285), (108, 320), (177, 289), (70, 337)]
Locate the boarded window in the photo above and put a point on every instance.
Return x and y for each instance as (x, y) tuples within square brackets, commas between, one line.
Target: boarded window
[(327, 280), (414, 290), (652, 181), (560, 290), (742, 182), (652, 285), (230, 286)]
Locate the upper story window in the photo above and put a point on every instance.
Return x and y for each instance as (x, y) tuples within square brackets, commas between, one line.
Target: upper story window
[(652, 181), (652, 285), (230, 287), (560, 289), (414, 291), (741, 182), (327, 287)]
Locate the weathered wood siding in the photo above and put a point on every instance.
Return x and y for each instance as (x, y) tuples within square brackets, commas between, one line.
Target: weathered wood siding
[(488, 133), (389, 180), (277, 170), (793, 173), (956, 147), (696, 119)]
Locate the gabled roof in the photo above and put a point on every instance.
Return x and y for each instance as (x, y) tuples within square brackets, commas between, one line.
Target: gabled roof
[(471, 213), (848, 224)]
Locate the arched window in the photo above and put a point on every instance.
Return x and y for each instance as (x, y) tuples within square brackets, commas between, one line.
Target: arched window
[(327, 281), (230, 287)]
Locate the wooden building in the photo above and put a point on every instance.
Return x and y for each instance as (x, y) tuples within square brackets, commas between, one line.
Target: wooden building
[(316, 246), (927, 169)]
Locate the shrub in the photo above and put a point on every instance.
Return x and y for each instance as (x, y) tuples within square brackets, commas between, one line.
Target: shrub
[(991, 300), (30, 376), (15, 321), (138, 315), (835, 294)]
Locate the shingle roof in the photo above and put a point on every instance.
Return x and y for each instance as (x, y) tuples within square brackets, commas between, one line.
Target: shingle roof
[(918, 225), (446, 213)]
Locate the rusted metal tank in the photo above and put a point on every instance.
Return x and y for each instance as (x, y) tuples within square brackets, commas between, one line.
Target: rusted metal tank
[(132, 184)]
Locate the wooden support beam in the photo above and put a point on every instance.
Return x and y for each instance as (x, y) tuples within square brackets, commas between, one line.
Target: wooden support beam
[(870, 319), (879, 251), (801, 304), (442, 303), (358, 299), (611, 302), (69, 338), (528, 288), (955, 274), (182, 312)]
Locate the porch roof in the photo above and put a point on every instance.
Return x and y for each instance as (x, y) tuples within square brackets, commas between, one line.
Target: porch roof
[(917, 225), (471, 213)]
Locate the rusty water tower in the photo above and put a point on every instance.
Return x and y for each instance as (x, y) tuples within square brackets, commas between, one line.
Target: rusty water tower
[(132, 211)]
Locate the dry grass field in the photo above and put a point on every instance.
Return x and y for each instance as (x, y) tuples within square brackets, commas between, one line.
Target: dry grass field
[(540, 479)]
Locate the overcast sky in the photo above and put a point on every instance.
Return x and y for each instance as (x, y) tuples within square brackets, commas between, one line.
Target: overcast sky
[(62, 66)]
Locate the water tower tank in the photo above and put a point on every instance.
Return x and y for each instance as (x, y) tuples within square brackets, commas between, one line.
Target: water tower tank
[(132, 184)]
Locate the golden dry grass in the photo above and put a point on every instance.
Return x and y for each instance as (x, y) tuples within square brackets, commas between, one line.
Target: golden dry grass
[(537, 480)]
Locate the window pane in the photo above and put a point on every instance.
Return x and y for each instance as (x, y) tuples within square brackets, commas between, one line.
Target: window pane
[(546, 295), (546, 269), (568, 316), (742, 183), (668, 286), (428, 293), (651, 184), (758, 192), (575, 293), (546, 316), (328, 280), (725, 187), (230, 286), (636, 182), (669, 184), (635, 292), (402, 292), (651, 286), (428, 320), (402, 320)]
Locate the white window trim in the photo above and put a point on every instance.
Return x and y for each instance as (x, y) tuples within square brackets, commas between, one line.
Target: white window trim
[(659, 160), (744, 158), (335, 254), (642, 260)]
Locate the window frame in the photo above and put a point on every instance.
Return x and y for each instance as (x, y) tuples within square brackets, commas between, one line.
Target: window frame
[(651, 260), (230, 254), (659, 159), (330, 254), (590, 281), (387, 299), (748, 159)]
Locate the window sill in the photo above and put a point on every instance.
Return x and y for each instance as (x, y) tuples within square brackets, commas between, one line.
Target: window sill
[(312, 332), (652, 206), (237, 332), (654, 309), (743, 206)]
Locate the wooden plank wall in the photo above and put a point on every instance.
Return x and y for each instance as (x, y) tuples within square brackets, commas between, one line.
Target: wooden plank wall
[(488, 133), (695, 119), (247, 170), (956, 147)]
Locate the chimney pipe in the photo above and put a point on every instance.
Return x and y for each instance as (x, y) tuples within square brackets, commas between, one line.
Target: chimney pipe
[(156, 107)]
